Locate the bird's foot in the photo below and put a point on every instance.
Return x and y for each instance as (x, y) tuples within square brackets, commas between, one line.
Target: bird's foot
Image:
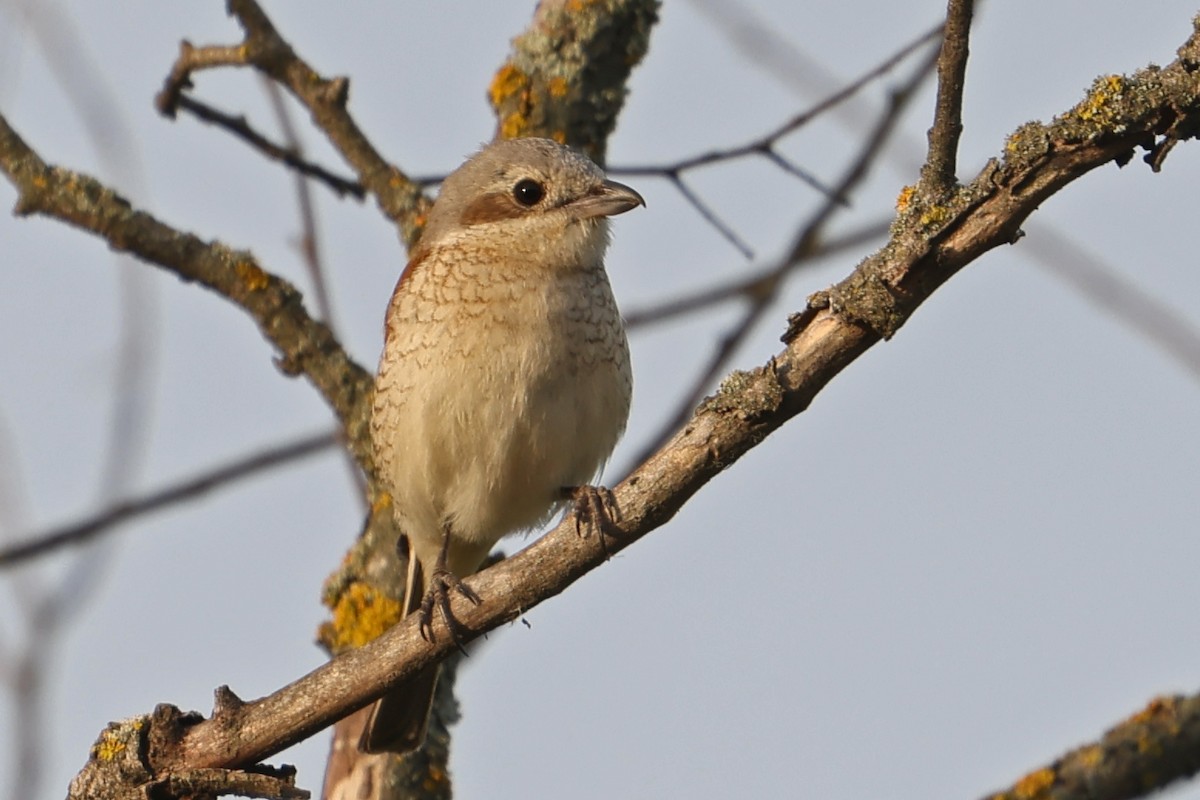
[(437, 598), (595, 509)]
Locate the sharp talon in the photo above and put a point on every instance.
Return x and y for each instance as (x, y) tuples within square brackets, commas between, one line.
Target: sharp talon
[(441, 582), (595, 509)]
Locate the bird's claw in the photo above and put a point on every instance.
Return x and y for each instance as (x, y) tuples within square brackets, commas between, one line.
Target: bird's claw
[(437, 598), (595, 509)]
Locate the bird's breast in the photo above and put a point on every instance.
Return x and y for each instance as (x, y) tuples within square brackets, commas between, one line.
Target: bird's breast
[(496, 390)]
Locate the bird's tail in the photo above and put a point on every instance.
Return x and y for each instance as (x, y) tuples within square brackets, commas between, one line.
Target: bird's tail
[(399, 719)]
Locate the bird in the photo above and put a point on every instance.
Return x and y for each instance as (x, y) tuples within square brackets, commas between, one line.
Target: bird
[(504, 382)]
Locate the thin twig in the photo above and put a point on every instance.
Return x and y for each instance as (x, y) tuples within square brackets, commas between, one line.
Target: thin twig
[(305, 346), (803, 248), (310, 248), (47, 604), (241, 128), (78, 532), (710, 216), (325, 98), (1100, 283), (941, 165), (755, 284), (764, 145)]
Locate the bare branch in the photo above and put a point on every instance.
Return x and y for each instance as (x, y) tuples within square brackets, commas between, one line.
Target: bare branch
[(265, 50), (710, 216), (754, 285), (78, 532), (1152, 749), (241, 128), (1101, 284), (766, 146), (306, 346), (804, 247), (309, 244), (941, 165)]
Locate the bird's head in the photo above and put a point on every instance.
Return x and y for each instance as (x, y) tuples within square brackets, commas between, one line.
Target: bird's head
[(533, 196)]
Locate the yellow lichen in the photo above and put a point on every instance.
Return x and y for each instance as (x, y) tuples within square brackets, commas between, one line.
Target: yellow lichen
[(904, 198), (934, 216), (1091, 756), (1097, 106), (508, 81), (557, 86), (1034, 785), (559, 136), (361, 614), (513, 125), (1154, 708), (254, 278), (109, 747)]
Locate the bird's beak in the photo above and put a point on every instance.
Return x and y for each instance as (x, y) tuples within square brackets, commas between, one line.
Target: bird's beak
[(607, 199)]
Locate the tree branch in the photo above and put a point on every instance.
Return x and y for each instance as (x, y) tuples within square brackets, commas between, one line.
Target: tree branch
[(264, 49), (1155, 747), (566, 78), (240, 128), (306, 346), (805, 246), (79, 532), (941, 165)]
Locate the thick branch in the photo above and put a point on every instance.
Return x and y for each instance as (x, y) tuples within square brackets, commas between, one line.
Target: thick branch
[(1159, 744), (305, 346), (566, 78), (929, 245)]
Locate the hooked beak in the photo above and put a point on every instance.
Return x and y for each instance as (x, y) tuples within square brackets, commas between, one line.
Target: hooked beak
[(606, 200)]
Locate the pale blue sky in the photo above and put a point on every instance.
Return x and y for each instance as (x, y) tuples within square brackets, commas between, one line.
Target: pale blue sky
[(976, 549)]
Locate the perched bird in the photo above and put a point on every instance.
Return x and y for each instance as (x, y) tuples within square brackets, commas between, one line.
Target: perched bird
[(504, 383)]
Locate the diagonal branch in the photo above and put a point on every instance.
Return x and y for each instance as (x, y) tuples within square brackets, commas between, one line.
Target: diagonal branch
[(118, 513), (753, 286), (240, 128), (1154, 747), (305, 345), (805, 246), (1101, 284)]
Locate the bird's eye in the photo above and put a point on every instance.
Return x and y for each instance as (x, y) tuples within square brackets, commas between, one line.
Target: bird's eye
[(528, 192)]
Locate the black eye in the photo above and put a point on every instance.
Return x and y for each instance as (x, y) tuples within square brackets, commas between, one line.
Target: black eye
[(528, 192)]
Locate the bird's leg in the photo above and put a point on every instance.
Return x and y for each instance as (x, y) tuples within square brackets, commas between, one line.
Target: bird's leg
[(441, 582), (595, 509)]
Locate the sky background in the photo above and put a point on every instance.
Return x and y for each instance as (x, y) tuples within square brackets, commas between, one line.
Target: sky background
[(975, 550)]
